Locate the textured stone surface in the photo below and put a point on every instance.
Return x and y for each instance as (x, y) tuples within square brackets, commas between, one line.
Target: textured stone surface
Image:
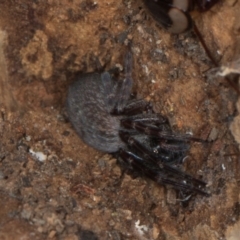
[(77, 192)]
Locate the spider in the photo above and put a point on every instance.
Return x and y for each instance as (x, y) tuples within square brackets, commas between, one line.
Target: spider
[(106, 118)]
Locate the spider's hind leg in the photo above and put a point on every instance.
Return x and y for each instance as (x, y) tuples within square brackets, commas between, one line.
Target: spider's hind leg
[(143, 160), (171, 152), (153, 172)]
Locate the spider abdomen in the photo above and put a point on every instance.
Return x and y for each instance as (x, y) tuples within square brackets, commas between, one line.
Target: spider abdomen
[(89, 113)]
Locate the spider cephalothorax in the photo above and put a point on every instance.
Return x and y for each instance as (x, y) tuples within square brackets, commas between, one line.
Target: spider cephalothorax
[(106, 118)]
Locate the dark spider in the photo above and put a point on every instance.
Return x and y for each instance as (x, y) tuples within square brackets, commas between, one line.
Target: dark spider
[(104, 116)]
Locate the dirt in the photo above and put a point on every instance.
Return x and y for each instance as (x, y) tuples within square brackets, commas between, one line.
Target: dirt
[(52, 185)]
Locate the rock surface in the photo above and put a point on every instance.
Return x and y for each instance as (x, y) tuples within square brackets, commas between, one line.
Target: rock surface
[(75, 192)]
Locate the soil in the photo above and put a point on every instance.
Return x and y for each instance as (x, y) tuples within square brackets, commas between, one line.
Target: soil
[(52, 185)]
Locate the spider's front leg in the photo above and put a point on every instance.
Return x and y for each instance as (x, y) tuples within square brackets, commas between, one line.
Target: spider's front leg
[(118, 92), (125, 86)]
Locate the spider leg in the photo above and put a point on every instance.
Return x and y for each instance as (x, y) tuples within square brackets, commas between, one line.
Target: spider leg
[(156, 161), (152, 118), (171, 152), (155, 174), (118, 92), (173, 146), (157, 132), (137, 106), (110, 89), (125, 86)]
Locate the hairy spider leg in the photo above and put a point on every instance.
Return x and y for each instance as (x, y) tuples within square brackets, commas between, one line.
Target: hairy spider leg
[(125, 86), (118, 92), (155, 173), (152, 118), (170, 150), (137, 106), (110, 89), (156, 160), (157, 132), (173, 146)]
